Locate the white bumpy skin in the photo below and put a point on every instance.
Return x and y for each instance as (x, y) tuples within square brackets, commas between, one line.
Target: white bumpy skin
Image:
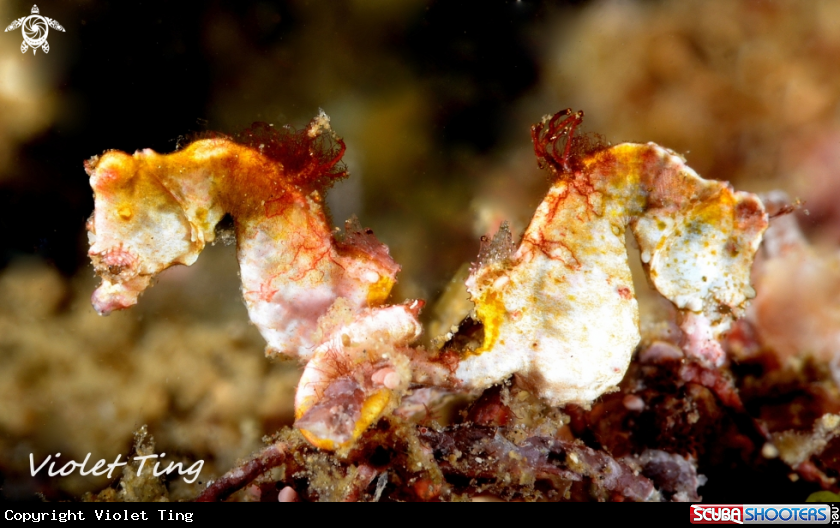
[(154, 211), (313, 295), (560, 311)]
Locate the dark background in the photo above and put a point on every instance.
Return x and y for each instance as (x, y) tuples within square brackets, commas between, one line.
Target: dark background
[(129, 75)]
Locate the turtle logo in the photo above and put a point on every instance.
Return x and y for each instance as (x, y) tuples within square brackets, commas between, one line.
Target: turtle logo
[(35, 31)]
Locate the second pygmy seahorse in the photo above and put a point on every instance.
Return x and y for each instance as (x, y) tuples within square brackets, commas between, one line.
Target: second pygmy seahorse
[(560, 312)]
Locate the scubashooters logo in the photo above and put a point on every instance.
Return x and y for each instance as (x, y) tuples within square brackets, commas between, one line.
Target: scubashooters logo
[(761, 513), (35, 31)]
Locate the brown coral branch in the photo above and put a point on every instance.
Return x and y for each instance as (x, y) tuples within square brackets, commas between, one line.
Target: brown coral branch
[(235, 479)]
